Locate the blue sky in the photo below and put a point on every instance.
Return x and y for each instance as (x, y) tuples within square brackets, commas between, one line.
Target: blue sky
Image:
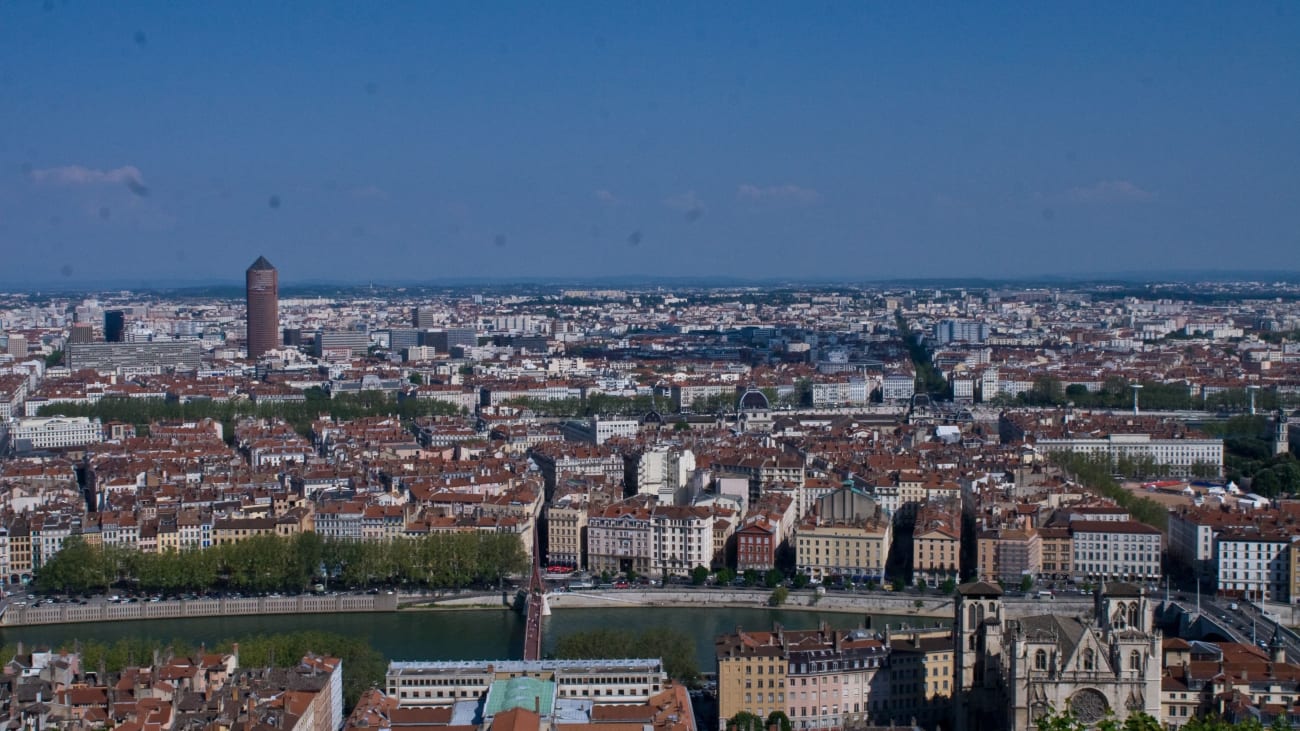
[(353, 141)]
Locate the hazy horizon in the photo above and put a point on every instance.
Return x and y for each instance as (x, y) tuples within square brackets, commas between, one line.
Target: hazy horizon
[(838, 142)]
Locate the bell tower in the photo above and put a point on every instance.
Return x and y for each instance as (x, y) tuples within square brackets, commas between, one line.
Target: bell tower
[(1120, 605), (978, 630)]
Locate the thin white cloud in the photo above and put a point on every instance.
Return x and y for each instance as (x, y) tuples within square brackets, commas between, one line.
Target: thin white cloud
[(788, 193), (81, 175), (1110, 191), (687, 201), (605, 197)]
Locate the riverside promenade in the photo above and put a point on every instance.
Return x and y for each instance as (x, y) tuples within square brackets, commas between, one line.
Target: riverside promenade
[(102, 610)]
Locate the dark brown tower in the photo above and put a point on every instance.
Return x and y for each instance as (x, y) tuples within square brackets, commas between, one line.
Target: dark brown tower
[(263, 286)]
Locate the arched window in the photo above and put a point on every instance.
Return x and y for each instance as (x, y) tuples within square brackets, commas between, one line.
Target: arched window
[(1040, 660), (1089, 660), (1133, 615), (981, 613), (972, 620), (1135, 660)]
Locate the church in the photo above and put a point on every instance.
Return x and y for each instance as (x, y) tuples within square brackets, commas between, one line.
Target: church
[(1010, 672)]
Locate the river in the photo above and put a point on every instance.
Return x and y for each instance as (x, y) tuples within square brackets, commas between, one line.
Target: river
[(473, 634)]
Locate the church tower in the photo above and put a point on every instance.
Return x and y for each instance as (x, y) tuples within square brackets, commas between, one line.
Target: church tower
[(979, 699), (1120, 606)]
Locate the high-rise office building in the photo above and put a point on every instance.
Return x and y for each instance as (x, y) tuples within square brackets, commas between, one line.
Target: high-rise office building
[(423, 318), (455, 337), (114, 326), (263, 290), (82, 332), (158, 356)]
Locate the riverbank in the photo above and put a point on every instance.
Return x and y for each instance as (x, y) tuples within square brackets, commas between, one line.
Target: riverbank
[(102, 610), (934, 606)]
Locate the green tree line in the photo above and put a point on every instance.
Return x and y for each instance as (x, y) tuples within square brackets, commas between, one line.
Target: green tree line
[(1248, 455), (673, 646), (1067, 721), (1117, 393), (294, 563), (142, 412), (363, 666), (1095, 471), (928, 378)]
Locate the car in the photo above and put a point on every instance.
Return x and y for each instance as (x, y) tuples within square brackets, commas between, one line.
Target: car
[(620, 585)]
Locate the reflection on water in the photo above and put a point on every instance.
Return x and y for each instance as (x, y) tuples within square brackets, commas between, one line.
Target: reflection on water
[(455, 635)]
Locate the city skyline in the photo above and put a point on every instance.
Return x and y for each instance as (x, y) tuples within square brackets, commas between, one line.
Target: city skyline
[(458, 142)]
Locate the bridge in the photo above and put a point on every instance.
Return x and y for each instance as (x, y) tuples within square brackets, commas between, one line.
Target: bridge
[(536, 605), (1215, 621)]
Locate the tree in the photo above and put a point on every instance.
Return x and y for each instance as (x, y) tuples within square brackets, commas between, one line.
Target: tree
[(779, 595), (773, 578), (745, 721), (416, 379), (1026, 582), (1065, 720), (675, 647), (699, 576), (779, 720), (53, 359), (948, 586), (800, 580), (751, 577), (725, 576)]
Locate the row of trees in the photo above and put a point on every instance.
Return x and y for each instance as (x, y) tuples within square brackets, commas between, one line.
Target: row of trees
[(363, 665), (746, 721), (1117, 393), (1067, 721), (142, 412), (1096, 471), (674, 646), (294, 563), (928, 378)]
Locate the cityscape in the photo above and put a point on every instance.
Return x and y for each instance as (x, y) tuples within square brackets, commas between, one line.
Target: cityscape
[(1018, 500), (763, 366)]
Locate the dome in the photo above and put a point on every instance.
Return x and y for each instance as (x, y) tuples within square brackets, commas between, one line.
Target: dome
[(753, 400)]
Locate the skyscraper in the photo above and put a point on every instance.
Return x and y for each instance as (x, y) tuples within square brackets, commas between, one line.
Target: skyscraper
[(263, 288), (114, 325)]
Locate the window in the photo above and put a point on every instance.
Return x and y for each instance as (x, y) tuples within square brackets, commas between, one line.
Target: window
[(1040, 660), (1135, 660), (1089, 660)]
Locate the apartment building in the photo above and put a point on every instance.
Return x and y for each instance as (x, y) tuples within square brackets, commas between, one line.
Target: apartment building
[(936, 542), (756, 543), (55, 432), (855, 549), (1255, 562), (566, 531), (920, 679), (1124, 550), (821, 679)]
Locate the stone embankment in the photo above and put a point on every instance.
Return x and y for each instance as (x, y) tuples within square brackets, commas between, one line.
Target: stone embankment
[(102, 610), (932, 606)]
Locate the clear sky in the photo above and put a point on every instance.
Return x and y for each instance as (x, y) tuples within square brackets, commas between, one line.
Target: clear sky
[(855, 140)]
